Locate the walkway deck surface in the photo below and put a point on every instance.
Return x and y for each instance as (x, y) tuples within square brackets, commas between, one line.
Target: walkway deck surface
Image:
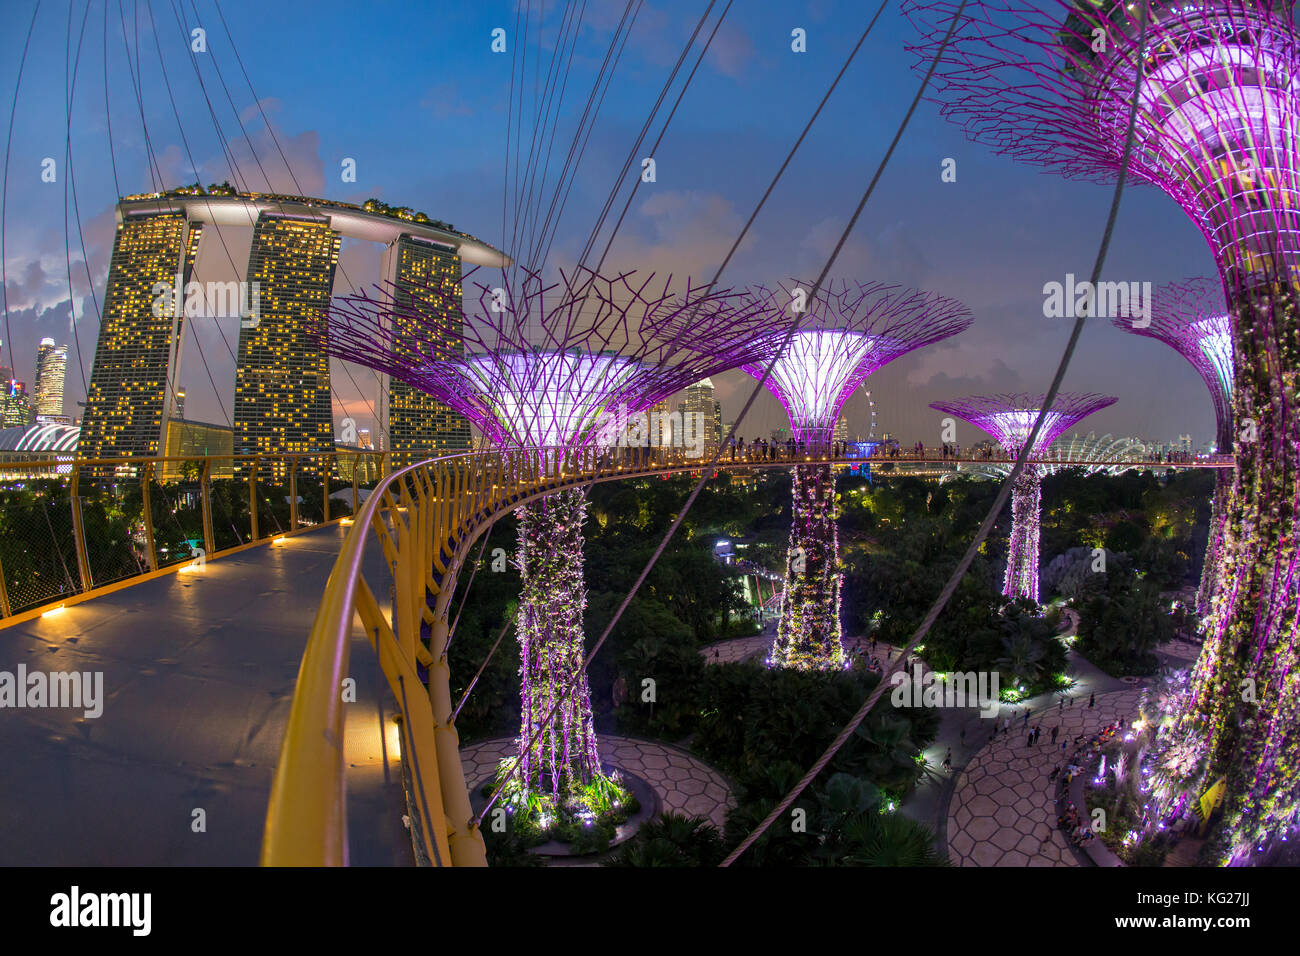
[(198, 673)]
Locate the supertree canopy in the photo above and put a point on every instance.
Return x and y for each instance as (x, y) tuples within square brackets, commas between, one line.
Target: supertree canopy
[(1192, 318), (849, 332), (546, 370), (1010, 419), (1052, 82)]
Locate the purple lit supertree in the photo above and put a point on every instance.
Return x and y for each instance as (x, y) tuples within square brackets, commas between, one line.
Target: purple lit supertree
[(1053, 82), (1192, 318), (1010, 418), (543, 370), (849, 332)]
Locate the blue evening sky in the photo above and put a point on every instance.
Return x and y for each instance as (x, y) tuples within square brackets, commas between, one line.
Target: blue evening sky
[(413, 93)]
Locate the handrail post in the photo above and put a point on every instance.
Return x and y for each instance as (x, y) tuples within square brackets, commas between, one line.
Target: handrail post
[(356, 465), (146, 479), (206, 507), (326, 468), (467, 847), (252, 496), (5, 609), (79, 533), (293, 493)]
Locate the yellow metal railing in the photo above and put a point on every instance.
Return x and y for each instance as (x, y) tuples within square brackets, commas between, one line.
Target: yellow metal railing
[(71, 527), (425, 517)]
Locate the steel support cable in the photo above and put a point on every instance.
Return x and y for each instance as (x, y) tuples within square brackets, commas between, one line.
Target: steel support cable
[(178, 15), (505, 168), (636, 184), (649, 121), (707, 470), (515, 135), (482, 667), (285, 159), (596, 96), (69, 90), (541, 118), (574, 30), (1003, 493), (137, 87), (231, 163), (180, 128), (4, 190), (555, 212), (609, 202), (518, 118)]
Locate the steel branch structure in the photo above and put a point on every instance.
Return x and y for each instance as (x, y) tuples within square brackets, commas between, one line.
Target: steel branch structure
[(848, 331), (1010, 418), (1192, 318), (553, 368), (1052, 82)]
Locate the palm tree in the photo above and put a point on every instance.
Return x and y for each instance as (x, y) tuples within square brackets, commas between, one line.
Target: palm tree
[(888, 839), (1022, 658), (672, 840)]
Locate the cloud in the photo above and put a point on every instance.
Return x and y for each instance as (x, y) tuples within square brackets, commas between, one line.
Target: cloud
[(445, 101), (731, 51)]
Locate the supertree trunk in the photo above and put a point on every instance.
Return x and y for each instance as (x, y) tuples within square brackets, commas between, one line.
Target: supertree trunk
[(550, 628), (1244, 701), (1214, 544), (1021, 579), (809, 635)]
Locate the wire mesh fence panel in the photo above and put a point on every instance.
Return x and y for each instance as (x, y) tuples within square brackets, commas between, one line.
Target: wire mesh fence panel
[(112, 516), (311, 497), (272, 506), (230, 524), (37, 548), (177, 509)]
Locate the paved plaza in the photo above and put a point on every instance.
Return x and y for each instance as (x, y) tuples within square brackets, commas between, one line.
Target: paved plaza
[(682, 783), (1003, 808)]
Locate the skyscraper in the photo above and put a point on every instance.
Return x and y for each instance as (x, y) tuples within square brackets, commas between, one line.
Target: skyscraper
[(282, 379), (416, 421), (140, 336), (842, 429), (180, 402), (700, 411), (17, 409), (51, 369)]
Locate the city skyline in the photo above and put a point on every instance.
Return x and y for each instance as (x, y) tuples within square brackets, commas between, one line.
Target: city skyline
[(703, 187)]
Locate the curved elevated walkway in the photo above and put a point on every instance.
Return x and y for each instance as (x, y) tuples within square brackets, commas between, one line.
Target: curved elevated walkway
[(198, 673)]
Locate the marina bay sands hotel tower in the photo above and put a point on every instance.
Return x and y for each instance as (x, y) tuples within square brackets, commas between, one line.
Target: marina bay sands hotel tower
[(282, 395)]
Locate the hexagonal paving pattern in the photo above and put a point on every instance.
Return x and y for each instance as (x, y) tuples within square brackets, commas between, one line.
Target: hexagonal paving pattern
[(683, 783), (1003, 809)]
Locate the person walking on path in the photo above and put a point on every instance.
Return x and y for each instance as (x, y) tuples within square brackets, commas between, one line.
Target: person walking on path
[(947, 760), (1092, 699), (1026, 716), (1055, 731)]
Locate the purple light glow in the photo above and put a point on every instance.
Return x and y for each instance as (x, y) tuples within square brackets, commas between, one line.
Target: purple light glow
[(1191, 318), (547, 366), (1217, 115), (851, 331), (1010, 418), (848, 332), (542, 365), (1216, 131)]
